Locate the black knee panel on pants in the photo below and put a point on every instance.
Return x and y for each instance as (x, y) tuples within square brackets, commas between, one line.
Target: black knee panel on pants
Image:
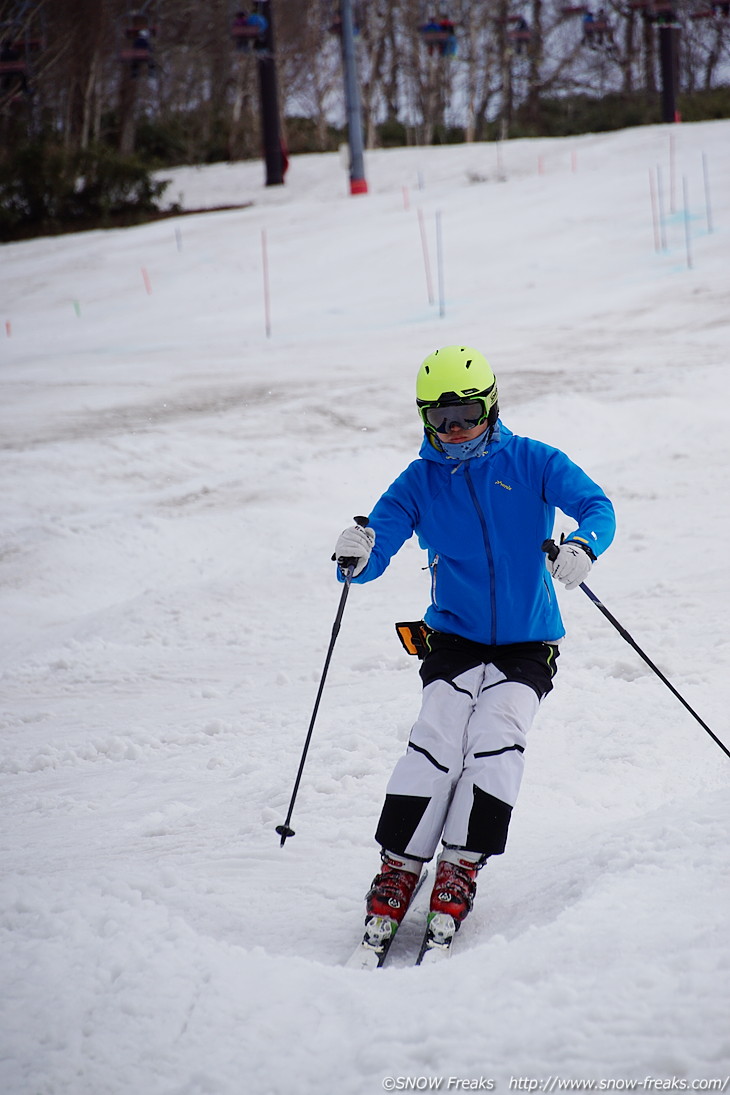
[(488, 824), (399, 819)]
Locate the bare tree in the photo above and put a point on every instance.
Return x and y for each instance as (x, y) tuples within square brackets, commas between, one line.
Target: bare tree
[(75, 77)]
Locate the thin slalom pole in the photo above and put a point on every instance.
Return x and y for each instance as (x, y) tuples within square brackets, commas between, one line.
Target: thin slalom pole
[(551, 550), (687, 231), (267, 287), (654, 211), (708, 204), (440, 264), (660, 203), (426, 260)]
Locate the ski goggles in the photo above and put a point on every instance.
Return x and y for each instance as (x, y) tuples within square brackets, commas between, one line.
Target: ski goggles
[(465, 416)]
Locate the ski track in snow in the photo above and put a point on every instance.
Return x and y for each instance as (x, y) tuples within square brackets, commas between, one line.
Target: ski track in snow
[(174, 482)]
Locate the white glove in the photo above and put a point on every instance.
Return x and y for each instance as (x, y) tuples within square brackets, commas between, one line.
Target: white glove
[(354, 546), (571, 565)]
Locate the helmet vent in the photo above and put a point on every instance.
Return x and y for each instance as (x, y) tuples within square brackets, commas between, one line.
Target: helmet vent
[(468, 363), (426, 369)]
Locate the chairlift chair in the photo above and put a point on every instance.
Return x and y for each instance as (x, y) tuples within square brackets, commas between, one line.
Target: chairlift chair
[(139, 32), (434, 33), (520, 34), (248, 27), (15, 58), (715, 10), (439, 35), (661, 12), (13, 74)]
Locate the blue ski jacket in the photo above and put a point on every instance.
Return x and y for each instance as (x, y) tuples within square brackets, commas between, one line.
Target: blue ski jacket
[(483, 522)]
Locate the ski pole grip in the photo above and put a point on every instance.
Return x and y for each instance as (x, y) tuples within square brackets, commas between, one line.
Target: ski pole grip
[(346, 564), (551, 549)]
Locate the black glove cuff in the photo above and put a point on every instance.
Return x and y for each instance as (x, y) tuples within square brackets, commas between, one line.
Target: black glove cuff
[(586, 548)]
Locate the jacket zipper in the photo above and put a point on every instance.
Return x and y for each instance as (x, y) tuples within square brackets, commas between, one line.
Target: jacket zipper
[(488, 550), (434, 568)]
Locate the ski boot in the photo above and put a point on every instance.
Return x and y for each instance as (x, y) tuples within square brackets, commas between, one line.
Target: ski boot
[(386, 903), (452, 899)]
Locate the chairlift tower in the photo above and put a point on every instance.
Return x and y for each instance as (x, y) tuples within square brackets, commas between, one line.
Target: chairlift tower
[(358, 182), (663, 14), (139, 68), (269, 93), (668, 49)]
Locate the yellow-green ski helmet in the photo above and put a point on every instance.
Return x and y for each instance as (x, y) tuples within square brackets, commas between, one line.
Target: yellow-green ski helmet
[(456, 375)]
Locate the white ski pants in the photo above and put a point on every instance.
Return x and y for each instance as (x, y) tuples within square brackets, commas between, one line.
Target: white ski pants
[(461, 773)]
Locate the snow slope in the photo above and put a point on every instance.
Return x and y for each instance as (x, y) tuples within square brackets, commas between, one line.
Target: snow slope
[(173, 484)]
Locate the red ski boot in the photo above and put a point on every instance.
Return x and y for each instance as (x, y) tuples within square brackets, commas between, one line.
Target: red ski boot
[(455, 886), (452, 898), (392, 889), (386, 903)]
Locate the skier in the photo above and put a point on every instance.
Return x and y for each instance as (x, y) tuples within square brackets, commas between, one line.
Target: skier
[(481, 501)]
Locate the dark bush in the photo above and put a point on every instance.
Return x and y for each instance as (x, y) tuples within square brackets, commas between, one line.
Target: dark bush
[(392, 134), (702, 106), (35, 189), (569, 115), (43, 190), (303, 135), (107, 184), (162, 142)]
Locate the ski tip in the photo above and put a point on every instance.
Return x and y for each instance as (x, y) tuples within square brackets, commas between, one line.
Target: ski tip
[(364, 958), (373, 949), (432, 955)]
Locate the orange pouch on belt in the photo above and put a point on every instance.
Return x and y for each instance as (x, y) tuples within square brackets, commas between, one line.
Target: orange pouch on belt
[(414, 637)]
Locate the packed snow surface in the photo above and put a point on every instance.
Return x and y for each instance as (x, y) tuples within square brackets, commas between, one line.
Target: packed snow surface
[(177, 461)]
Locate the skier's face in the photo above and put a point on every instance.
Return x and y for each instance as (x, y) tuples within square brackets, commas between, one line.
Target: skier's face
[(456, 434)]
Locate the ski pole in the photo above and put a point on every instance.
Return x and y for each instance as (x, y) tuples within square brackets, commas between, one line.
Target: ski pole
[(551, 550), (347, 567)]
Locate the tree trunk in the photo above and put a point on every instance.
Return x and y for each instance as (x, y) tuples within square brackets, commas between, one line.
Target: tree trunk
[(534, 56), (649, 57), (127, 113)]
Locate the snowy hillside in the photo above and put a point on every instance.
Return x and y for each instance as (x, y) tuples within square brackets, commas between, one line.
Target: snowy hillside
[(173, 484)]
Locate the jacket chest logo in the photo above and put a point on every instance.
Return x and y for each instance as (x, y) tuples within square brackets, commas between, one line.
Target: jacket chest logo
[(499, 483)]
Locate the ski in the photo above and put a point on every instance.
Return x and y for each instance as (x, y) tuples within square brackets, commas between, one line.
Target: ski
[(437, 939), (380, 931)]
